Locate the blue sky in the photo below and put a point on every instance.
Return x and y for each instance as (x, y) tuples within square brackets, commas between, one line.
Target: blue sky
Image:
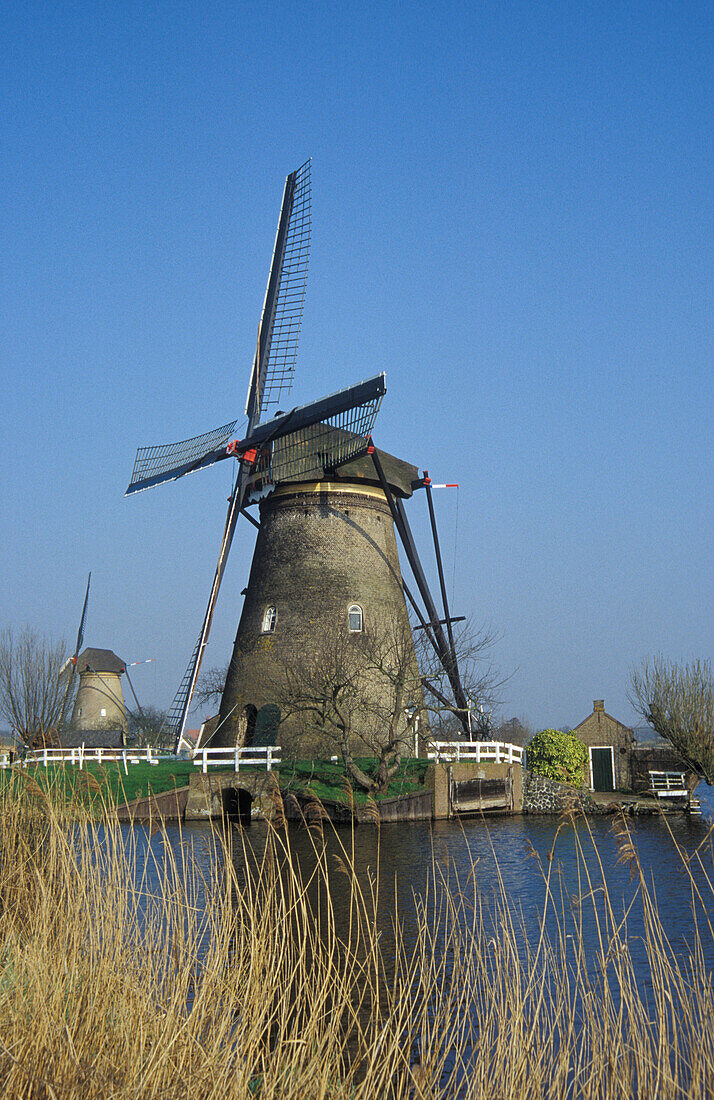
[(512, 215)]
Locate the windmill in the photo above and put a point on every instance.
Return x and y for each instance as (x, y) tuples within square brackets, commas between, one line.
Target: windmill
[(99, 703), (329, 504)]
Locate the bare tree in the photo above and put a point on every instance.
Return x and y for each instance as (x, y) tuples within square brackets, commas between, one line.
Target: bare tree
[(480, 680), (210, 686), (678, 702), (33, 686), (146, 726), (516, 731), (359, 694)]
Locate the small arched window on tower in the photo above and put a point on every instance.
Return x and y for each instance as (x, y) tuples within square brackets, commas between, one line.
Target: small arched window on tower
[(354, 618), (270, 618)]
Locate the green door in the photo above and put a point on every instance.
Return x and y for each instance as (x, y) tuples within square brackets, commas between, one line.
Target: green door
[(602, 769)]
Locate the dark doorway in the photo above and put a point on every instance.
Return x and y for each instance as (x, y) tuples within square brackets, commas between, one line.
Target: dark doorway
[(601, 763), (250, 713), (266, 725), (236, 805)]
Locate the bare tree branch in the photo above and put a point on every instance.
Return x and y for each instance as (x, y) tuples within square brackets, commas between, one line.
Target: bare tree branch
[(33, 686), (359, 694), (481, 682), (678, 702)]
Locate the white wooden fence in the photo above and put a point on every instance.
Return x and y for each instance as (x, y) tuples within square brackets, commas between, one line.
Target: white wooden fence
[(263, 756), (475, 752), (81, 755), (666, 784)]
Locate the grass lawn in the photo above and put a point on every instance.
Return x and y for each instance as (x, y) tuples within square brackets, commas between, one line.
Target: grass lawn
[(108, 781), (329, 781)]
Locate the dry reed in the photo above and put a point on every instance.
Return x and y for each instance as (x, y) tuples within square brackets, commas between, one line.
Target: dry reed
[(134, 967)]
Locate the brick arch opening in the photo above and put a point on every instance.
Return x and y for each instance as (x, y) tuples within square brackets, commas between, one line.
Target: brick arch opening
[(236, 803), (250, 714)]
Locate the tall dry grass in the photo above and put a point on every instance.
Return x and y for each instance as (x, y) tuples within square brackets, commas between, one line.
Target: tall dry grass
[(131, 967)]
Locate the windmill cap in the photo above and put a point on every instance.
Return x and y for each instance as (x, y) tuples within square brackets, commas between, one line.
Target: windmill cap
[(100, 660)]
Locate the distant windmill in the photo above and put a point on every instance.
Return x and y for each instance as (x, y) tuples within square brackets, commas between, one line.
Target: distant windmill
[(99, 704), (329, 505)]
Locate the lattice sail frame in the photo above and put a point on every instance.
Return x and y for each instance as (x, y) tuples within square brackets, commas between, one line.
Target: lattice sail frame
[(309, 453), (280, 341), (168, 461)]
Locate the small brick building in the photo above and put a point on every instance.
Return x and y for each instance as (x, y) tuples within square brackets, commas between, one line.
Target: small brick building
[(609, 745)]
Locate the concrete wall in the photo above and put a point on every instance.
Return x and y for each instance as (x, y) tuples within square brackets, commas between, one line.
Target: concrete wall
[(321, 548), (439, 776)]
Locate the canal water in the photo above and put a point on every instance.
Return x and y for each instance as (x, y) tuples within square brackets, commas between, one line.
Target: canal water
[(508, 858)]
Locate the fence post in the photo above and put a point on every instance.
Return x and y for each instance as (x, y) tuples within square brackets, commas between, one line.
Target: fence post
[(81, 755), (44, 757), (123, 756), (269, 758), (205, 762), (236, 758)]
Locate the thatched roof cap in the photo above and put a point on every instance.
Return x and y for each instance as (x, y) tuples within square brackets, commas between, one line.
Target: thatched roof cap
[(100, 660)]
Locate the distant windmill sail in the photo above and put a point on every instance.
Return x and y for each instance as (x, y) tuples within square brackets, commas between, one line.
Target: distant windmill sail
[(72, 662), (82, 621)]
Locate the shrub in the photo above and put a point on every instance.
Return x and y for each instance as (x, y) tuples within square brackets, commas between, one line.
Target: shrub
[(557, 755)]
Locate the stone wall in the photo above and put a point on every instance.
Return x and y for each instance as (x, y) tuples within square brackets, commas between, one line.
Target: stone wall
[(547, 796)]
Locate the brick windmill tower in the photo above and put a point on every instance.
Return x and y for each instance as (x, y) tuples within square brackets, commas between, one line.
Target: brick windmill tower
[(330, 504)]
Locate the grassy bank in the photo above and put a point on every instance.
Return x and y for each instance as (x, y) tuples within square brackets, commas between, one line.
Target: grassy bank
[(133, 968), (98, 785), (106, 783), (328, 780)]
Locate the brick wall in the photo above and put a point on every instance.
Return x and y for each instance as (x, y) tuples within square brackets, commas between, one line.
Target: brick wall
[(600, 729), (319, 550)]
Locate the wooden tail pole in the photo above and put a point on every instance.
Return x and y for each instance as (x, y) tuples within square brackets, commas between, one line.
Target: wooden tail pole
[(444, 652)]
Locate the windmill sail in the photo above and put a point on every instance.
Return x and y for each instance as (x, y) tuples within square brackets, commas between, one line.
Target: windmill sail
[(310, 452), (154, 465), (352, 409), (182, 700), (279, 329)]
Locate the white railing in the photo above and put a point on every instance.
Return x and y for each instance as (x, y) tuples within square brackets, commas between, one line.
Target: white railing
[(82, 755), (475, 752), (263, 756), (667, 783)]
